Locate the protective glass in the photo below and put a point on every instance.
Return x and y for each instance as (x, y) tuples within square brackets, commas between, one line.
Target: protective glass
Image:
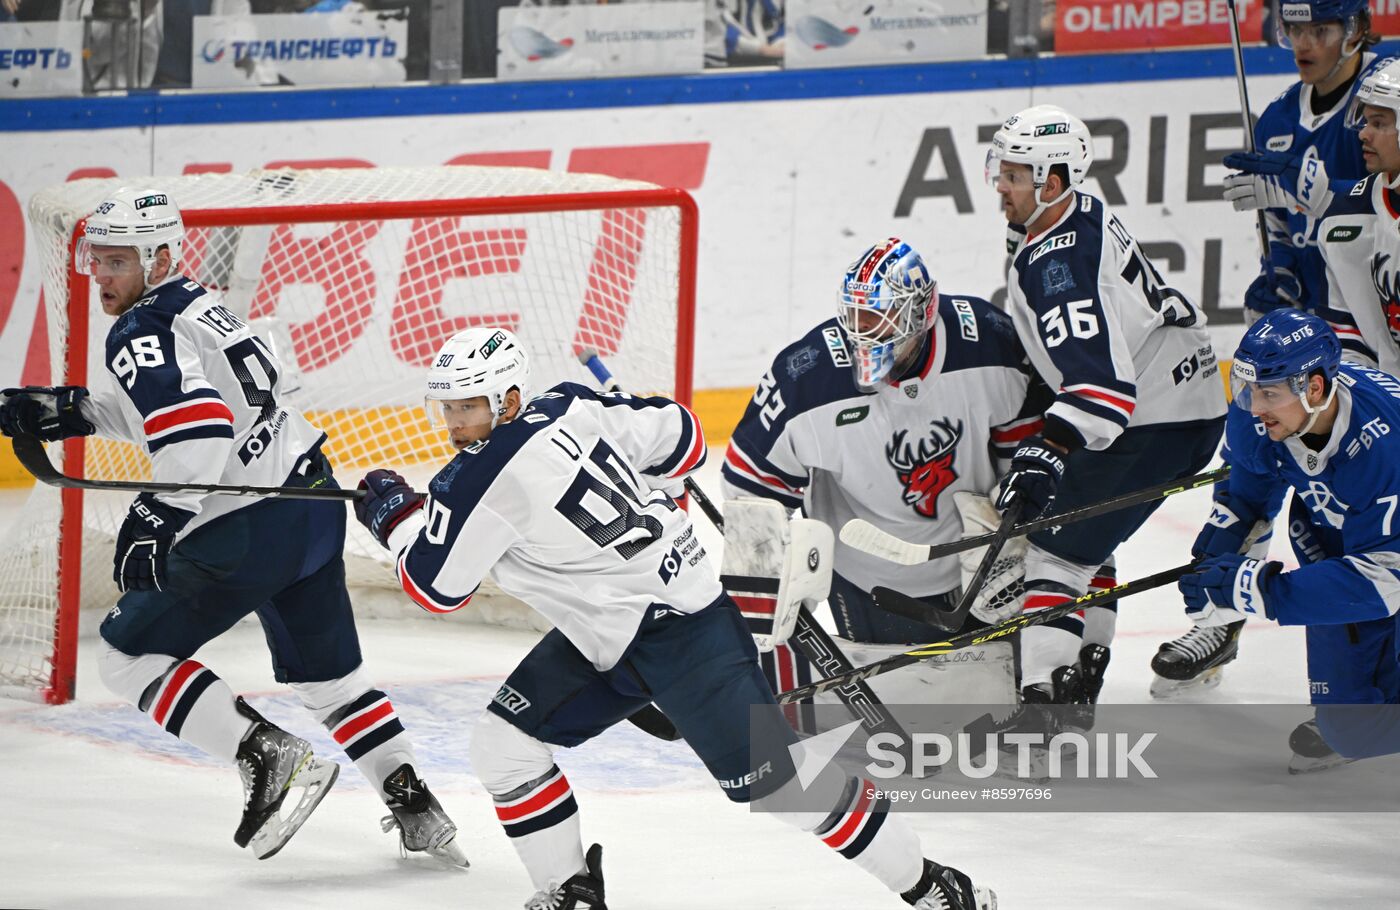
[(1015, 177), (449, 413), (1262, 397), (1315, 34), (1380, 124), (88, 262)]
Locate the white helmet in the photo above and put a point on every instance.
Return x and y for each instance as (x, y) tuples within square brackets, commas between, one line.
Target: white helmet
[(478, 361), (1042, 137), (145, 219), (1380, 88)]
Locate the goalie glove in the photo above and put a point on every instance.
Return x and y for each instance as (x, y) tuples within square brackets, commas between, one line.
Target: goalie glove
[(58, 418), (1276, 180), (999, 598)]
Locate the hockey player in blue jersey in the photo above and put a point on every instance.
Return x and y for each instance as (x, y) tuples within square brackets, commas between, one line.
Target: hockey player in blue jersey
[(1329, 40), (903, 410), (561, 498), (199, 392), (1138, 397), (1302, 419)]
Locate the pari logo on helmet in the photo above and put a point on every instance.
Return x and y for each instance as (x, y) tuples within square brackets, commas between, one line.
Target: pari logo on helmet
[(925, 466), (478, 362), (886, 304), (142, 218)]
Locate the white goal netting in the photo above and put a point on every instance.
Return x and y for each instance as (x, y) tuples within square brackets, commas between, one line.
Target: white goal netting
[(356, 277)]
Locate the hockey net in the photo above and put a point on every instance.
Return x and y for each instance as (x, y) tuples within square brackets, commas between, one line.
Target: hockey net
[(356, 277)]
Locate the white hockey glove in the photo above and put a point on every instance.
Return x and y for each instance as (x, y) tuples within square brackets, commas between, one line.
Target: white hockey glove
[(1274, 180), (1000, 596)]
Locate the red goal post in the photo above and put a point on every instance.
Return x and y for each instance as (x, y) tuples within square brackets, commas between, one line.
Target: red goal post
[(356, 277)]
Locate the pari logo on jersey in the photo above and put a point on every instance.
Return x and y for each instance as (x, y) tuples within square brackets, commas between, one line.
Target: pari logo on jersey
[(1387, 284), (925, 466)]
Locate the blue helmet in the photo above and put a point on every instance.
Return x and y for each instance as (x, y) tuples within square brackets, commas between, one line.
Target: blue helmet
[(1285, 346), (887, 302), (1297, 13)]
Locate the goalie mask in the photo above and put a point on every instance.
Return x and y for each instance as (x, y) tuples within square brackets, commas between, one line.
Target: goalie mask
[(887, 302), (477, 362), (1277, 357), (1042, 137), (141, 218)]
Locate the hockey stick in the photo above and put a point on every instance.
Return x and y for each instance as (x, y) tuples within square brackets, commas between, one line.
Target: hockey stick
[(981, 636), (864, 536), (952, 620), (1259, 222), (31, 454), (814, 642)]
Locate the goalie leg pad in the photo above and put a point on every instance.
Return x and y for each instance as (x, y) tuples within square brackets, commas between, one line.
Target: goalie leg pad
[(760, 541)]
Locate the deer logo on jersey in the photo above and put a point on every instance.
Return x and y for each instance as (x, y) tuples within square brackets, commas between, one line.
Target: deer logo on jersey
[(1383, 276), (925, 466)]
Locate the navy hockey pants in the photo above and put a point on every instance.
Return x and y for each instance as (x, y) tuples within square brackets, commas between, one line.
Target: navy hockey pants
[(701, 669), (1140, 457), (280, 558)]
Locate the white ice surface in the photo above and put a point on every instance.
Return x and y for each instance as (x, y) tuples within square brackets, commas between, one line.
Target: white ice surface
[(93, 816)]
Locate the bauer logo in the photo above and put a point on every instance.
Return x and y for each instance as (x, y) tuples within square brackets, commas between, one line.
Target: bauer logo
[(147, 201), (1343, 233), (852, 415), (510, 699)]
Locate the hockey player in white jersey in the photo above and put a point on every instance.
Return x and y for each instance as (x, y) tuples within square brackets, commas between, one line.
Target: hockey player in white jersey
[(1302, 419), (561, 499), (1138, 394), (903, 410), (199, 392)]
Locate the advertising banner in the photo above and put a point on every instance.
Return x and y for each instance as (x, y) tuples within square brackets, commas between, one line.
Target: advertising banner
[(41, 58), (1095, 26), (859, 32), (344, 48), (630, 39)]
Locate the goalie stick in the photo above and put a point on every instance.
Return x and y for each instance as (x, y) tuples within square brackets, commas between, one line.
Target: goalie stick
[(31, 454), (815, 643), (864, 536), (981, 636)]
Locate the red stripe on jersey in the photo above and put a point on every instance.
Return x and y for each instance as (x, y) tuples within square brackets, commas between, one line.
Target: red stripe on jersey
[(1017, 432), (1117, 401), (1103, 582), (1041, 601), (203, 409), (422, 599), (755, 606), (733, 459), (172, 688), (356, 725), (539, 800), (697, 448), (1345, 329), (842, 835)]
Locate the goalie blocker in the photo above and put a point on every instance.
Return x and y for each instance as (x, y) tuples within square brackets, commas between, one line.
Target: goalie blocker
[(762, 543)]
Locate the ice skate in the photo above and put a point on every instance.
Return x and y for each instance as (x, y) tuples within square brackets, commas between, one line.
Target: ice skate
[(273, 763), (945, 888), (1034, 715), (1193, 662), (1311, 752), (422, 824), (584, 890), (1093, 661)]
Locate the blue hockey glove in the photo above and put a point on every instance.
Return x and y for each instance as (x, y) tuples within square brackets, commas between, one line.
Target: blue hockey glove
[(1225, 530), (1276, 180), (1227, 589), (1035, 474), (62, 417), (143, 543), (388, 500)]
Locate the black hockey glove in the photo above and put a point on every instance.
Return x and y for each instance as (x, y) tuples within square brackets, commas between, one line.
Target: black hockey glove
[(388, 500), (24, 413), (144, 542), (1035, 473)]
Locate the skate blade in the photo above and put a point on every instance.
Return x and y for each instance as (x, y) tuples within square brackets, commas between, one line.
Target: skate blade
[(1301, 764), (314, 777), (450, 854), (1164, 688)]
